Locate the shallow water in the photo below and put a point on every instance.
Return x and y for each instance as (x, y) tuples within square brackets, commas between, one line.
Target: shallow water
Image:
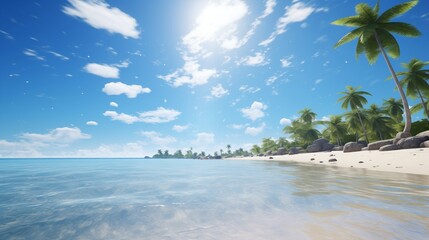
[(192, 199)]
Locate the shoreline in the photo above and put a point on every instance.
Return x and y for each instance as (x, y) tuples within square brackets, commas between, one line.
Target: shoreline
[(409, 161)]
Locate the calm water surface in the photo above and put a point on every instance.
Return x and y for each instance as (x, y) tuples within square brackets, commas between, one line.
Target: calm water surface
[(192, 199)]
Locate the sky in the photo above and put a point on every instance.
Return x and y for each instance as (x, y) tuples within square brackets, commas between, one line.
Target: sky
[(125, 78)]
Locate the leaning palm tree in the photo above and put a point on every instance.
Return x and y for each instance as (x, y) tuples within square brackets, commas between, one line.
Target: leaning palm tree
[(416, 80), (355, 100), (394, 108), (307, 115), (374, 33)]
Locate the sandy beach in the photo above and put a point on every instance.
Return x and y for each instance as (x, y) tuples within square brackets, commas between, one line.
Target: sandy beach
[(411, 161)]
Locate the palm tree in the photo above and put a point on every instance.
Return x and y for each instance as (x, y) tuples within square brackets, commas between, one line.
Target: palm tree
[(355, 100), (415, 80), (379, 122), (302, 132), (374, 33), (394, 108), (335, 128), (229, 149), (307, 115), (255, 149), (355, 119)]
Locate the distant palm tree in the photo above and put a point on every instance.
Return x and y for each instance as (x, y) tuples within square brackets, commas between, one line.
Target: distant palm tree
[(379, 123), (355, 100), (302, 131), (255, 149), (221, 152), (373, 31), (355, 119), (394, 108), (307, 115), (416, 80), (335, 128), (229, 148)]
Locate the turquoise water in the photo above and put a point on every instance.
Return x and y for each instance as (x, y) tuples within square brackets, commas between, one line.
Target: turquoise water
[(193, 199)]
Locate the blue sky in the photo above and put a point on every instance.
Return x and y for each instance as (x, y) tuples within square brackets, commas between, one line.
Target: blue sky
[(125, 78)]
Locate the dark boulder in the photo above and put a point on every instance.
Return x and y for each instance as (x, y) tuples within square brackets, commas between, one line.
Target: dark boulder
[(389, 147), (377, 145), (281, 151), (352, 147), (338, 148), (327, 147), (314, 148), (412, 142)]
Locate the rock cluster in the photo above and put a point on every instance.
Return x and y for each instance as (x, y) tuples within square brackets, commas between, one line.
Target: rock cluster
[(320, 145)]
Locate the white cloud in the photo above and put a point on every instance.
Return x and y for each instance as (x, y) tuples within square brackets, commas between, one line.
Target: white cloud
[(113, 104), (58, 55), (100, 15), (318, 81), (286, 62), (247, 89), (161, 115), (218, 91), (255, 111), (285, 121), (180, 128), (132, 149), (205, 138), (58, 135), (210, 27), (128, 119), (271, 80), (298, 12), (157, 138), (257, 60), (92, 123), (32, 53), (255, 130), (237, 126), (102, 70), (190, 74), (7, 35), (233, 42), (118, 88)]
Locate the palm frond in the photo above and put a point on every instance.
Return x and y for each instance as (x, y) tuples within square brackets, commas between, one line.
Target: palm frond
[(401, 28), (372, 50), (350, 36), (389, 43), (396, 11), (351, 21), (366, 12), (360, 48)]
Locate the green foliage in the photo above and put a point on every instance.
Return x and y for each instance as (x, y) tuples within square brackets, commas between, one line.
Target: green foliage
[(419, 126)]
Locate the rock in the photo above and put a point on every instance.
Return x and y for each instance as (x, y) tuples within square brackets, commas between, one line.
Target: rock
[(424, 144), (332, 160), (320, 141), (293, 150), (363, 143), (260, 155), (270, 158), (377, 145), (314, 148), (312, 159), (365, 149), (422, 134), (352, 147), (327, 147), (281, 151), (338, 148), (412, 142), (401, 135), (269, 152), (360, 161), (321, 162), (389, 147)]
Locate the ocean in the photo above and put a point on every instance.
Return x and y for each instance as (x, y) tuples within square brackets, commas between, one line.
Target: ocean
[(207, 199)]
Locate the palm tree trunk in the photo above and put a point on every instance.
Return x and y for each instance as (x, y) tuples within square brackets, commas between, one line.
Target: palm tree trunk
[(363, 127), (407, 127), (423, 103)]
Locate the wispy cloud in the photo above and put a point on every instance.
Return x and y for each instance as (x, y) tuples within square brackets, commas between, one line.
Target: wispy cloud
[(255, 111), (247, 89), (298, 12), (101, 15), (58, 55), (157, 138), (113, 104), (57, 135), (7, 35), (286, 62), (257, 60), (255, 130), (180, 128), (160, 115), (190, 74), (33, 53), (118, 88)]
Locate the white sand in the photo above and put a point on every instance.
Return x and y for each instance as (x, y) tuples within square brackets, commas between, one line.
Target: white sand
[(413, 161)]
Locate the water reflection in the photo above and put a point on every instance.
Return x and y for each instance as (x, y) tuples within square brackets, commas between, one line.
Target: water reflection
[(174, 199)]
